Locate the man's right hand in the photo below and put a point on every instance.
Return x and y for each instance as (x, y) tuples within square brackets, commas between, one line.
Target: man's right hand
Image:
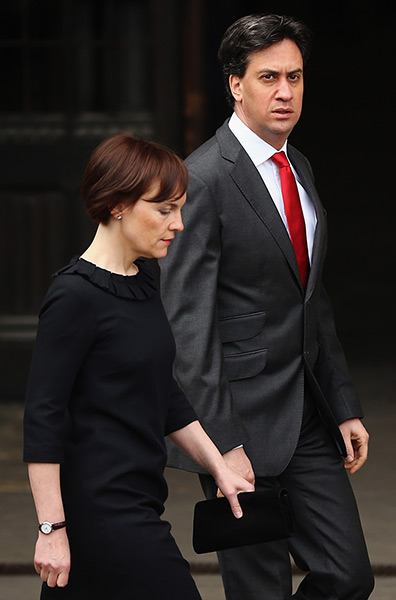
[(238, 460)]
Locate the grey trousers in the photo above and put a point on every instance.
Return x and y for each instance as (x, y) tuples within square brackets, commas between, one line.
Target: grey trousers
[(328, 542)]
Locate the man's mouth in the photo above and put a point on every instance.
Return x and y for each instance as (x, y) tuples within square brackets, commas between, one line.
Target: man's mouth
[(283, 111)]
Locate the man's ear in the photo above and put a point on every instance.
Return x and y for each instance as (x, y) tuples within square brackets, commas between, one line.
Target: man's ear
[(235, 84)]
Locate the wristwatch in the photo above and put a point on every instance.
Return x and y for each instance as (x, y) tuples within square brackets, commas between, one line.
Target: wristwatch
[(47, 527)]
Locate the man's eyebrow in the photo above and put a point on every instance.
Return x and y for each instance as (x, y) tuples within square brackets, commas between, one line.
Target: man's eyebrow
[(270, 71), (275, 72)]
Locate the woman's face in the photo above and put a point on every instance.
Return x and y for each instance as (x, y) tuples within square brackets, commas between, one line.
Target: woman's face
[(148, 228)]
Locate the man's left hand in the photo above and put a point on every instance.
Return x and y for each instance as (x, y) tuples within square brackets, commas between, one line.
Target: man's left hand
[(356, 440)]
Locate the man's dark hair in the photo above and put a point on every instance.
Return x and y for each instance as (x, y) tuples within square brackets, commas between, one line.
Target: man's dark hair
[(257, 32)]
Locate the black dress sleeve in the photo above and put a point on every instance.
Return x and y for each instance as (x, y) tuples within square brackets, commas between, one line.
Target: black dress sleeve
[(65, 333), (180, 411)]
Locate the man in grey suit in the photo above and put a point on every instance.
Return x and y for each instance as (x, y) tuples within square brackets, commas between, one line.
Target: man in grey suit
[(257, 351)]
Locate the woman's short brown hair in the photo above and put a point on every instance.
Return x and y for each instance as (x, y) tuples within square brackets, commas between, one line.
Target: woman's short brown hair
[(123, 168)]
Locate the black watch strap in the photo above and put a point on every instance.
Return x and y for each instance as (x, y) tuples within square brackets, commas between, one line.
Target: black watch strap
[(59, 525)]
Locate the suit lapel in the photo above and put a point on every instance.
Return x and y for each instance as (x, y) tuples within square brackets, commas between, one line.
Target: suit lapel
[(248, 180)]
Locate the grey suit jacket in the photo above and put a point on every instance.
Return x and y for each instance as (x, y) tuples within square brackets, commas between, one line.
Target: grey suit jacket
[(248, 339)]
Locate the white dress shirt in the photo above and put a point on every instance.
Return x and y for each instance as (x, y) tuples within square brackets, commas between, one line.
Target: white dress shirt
[(260, 153)]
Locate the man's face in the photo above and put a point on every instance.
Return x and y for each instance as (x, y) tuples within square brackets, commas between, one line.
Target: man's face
[(268, 98)]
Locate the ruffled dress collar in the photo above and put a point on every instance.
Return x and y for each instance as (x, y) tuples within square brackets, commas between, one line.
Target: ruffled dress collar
[(133, 287)]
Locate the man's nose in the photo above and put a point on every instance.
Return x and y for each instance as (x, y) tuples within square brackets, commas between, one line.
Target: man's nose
[(284, 91)]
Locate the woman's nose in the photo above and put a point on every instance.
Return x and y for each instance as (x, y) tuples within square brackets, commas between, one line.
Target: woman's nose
[(177, 223)]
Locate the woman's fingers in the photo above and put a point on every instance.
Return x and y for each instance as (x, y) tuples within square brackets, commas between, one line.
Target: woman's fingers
[(63, 578), (236, 507), (53, 577)]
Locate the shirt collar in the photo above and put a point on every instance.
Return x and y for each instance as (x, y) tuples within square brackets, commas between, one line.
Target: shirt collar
[(258, 150)]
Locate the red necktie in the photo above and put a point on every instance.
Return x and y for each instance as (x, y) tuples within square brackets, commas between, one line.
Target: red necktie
[(294, 214)]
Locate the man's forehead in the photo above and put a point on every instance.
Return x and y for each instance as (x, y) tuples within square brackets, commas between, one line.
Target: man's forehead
[(279, 51)]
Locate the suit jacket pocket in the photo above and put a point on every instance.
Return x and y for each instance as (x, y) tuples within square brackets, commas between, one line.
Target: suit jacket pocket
[(246, 364), (241, 327)]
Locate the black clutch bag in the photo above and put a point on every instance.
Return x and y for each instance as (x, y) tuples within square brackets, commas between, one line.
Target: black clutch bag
[(267, 516)]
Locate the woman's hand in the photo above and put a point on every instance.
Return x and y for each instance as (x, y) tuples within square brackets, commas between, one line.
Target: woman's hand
[(52, 555), (230, 484), (239, 462), (193, 440), (52, 558)]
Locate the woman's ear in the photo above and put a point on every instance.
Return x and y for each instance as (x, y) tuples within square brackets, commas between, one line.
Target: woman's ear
[(116, 212)]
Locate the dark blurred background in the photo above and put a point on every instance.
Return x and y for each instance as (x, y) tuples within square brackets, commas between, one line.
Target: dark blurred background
[(74, 72)]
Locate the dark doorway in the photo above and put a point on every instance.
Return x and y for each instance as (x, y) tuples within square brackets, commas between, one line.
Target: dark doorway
[(74, 72)]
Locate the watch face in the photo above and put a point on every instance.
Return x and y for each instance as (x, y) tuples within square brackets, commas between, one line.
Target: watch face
[(46, 527)]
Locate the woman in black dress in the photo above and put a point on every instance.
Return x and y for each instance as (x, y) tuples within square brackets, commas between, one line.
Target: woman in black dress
[(101, 396)]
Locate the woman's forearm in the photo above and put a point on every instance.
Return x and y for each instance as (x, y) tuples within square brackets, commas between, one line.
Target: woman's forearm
[(52, 554), (45, 484), (196, 443)]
